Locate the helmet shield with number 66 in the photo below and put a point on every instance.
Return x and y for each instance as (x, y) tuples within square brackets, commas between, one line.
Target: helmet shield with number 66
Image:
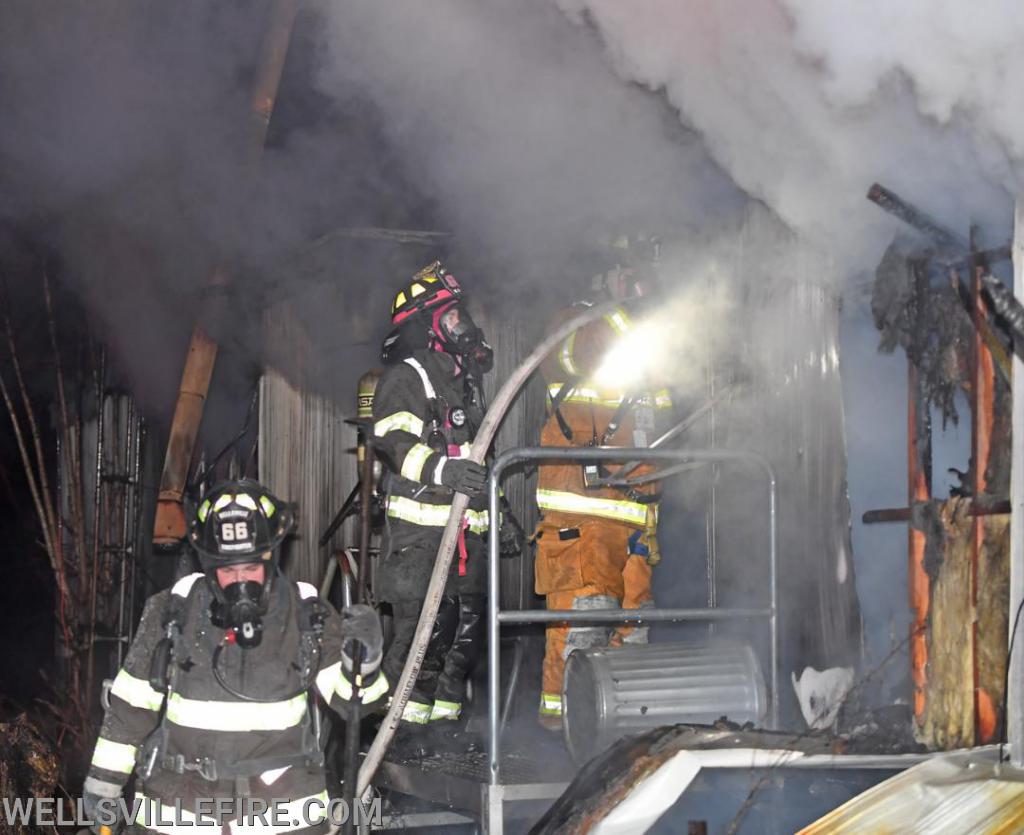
[(239, 522)]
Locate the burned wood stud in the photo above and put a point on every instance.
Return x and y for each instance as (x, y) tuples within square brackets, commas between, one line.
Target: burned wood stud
[(898, 207), (903, 514)]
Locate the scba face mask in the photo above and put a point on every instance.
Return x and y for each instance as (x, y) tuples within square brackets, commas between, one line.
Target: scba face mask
[(238, 523), (240, 607), (460, 336)]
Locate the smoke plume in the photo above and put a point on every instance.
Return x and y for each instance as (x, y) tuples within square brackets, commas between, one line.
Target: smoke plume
[(512, 120), (805, 104)]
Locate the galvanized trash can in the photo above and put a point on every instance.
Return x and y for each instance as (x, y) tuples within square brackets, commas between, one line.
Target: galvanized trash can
[(610, 693)]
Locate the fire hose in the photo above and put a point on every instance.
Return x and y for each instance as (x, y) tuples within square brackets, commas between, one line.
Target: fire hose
[(435, 589)]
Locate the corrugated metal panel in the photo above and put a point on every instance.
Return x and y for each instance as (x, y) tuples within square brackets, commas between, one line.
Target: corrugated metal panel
[(953, 795), (512, 341), (305, 458), (305, 445)]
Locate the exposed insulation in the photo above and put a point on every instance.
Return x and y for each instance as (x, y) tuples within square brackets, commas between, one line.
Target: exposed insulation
[(993, 624), (950, 715)]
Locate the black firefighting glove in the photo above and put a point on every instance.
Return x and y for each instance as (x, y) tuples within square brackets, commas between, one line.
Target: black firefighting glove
[(510, 535), (360, 627), (464, 476)]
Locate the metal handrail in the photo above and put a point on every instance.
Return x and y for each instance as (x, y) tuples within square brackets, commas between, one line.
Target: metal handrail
[(496, 617)]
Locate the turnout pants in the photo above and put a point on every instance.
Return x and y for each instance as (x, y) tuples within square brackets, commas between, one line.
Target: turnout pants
[(451, 654), (594, 571), (458, 632)]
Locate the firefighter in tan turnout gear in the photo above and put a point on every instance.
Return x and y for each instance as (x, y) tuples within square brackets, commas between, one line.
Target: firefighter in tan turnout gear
[(215, 697), (595, 545)]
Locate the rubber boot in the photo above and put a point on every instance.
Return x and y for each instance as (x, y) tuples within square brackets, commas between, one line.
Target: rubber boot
[(464, 650)]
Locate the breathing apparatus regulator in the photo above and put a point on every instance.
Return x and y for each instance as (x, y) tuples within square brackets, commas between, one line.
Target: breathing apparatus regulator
[(239, 523), (429, 312)]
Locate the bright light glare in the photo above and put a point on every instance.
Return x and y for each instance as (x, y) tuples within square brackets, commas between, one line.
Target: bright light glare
[(628, 361)]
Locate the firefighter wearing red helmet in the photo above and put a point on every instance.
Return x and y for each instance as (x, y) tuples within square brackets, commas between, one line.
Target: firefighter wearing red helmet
[(426, 411), (214, 701)]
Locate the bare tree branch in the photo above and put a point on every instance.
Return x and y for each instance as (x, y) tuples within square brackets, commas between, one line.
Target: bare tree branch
[(51, 519)]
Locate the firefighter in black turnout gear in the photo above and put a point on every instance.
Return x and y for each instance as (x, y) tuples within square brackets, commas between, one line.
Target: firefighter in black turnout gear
[(426, 411), (215, 697)]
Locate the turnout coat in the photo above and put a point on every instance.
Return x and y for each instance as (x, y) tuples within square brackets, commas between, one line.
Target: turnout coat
[(199, 740), (423, 416)]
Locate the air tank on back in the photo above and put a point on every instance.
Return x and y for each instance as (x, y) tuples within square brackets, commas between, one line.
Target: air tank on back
[(365, 389)]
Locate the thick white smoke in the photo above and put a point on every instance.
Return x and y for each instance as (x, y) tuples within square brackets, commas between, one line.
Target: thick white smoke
[(511, 118), (805, 103)]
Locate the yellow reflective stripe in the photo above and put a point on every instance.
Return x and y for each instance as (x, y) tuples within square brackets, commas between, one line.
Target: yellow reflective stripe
[(404, 421), (416, 712), (464, 449), (621, 511), (136, 691), (367, 694), (419, 513), (327, 680), (582, 394), (478, 520), (445, 710), (236, 716), (114, 756), (565, 355), (619, 321), (550, 704), (246, 501), (432, 515), (375, 691), (415, 458)]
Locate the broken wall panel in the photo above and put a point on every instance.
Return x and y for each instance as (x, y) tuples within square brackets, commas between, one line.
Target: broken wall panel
[(966, 641)]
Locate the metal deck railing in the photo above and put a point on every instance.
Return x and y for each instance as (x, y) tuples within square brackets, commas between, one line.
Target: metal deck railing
[(496, 616)]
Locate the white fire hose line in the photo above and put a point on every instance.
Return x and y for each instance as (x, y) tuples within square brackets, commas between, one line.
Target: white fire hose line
[(442, 564)]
